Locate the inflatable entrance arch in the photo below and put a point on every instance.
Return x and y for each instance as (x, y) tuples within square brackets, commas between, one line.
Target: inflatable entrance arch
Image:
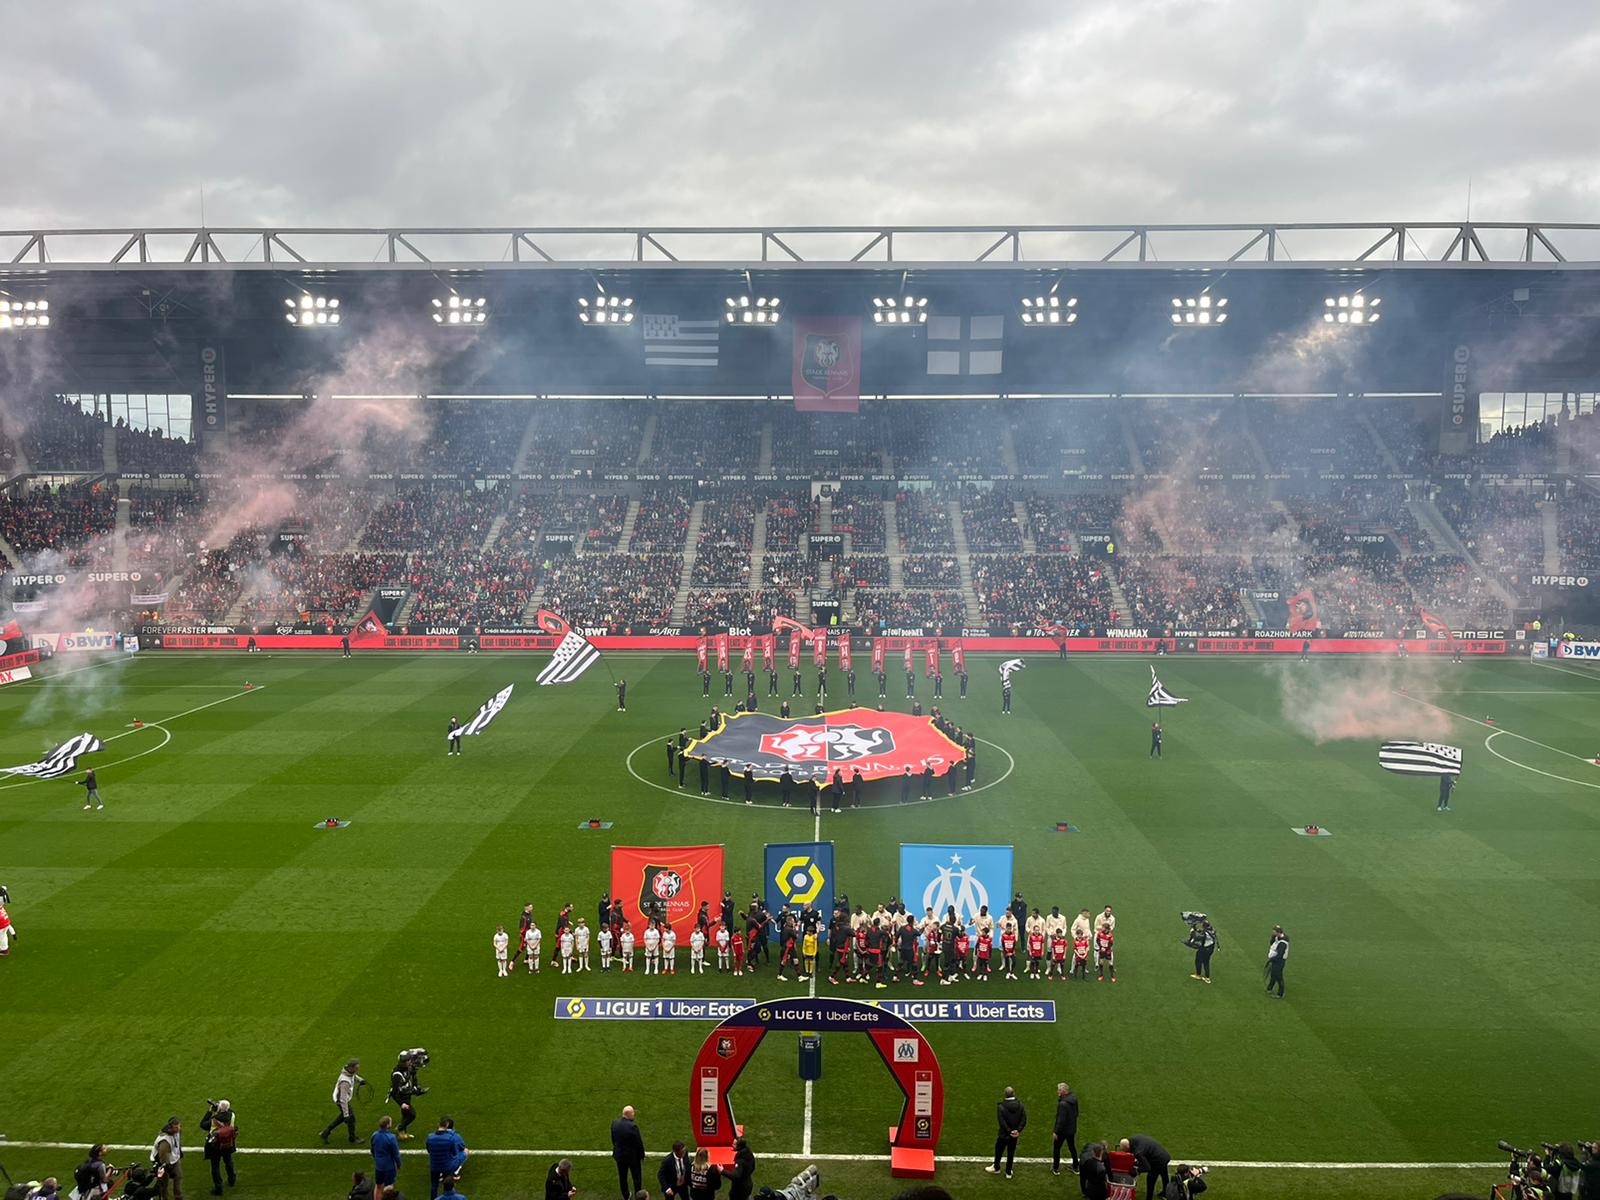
[(912, 1138)]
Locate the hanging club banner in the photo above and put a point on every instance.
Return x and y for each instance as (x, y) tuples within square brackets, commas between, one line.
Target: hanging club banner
[(748, 657), (722, 652), (930, 661), (827, 364), (878, 648), (666, 882), (819, 647), (769, 651), (701, 655), (878, 744), (844, 652), (958, 658), (794, 650)]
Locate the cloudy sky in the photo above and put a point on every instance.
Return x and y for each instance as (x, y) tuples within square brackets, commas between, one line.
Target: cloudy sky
[(872, 111)]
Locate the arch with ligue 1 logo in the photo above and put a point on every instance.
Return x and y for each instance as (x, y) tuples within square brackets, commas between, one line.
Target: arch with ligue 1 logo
[(914, 1135)]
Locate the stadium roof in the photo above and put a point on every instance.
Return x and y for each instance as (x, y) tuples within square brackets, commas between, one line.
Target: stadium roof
[(1350, 244)]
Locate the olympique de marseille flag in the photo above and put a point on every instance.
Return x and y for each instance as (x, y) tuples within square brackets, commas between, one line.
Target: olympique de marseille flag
[(1159, 696), (1010, 667), (489, 711), (63, 760), (575, 655), (1420, 758)]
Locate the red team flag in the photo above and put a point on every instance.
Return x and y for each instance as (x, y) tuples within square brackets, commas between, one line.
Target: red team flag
[(877, 656), (819, 647), (930, 666), (958, 658), (1436, 626), (701, 650), (908, 658), (794, 650), (722, 652), (748, 660), (769, 650), (844, 653)]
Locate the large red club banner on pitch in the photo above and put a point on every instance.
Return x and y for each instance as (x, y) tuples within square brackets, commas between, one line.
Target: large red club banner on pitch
[(667, 882)]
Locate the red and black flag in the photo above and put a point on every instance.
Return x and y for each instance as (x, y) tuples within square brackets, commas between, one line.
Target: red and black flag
[(1436, 627), (878, 646), (930, 660), (879, 744), (722, 652), (748, 658), (769, 651), (702, 651), (819, 647), (844, 652), (958, 658)]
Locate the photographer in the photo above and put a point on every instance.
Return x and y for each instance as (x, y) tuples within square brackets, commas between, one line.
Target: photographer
[(222, 1138), (1589, 1171), (166, 1155), (93, 1175), (403, 1086), (1187, 1182)]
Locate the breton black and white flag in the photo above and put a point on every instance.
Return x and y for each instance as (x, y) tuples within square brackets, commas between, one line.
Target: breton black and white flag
[(575, 655), (1010, 667), (1420, 758), (63, 760), (489, 711), (1159, 696)]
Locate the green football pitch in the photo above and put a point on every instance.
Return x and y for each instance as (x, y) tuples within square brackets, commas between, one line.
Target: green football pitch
[(200, 938)]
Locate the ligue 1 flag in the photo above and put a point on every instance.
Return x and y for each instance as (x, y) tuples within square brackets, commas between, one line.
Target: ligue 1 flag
[(575, 654), (930, 661), (844, 652), (958, 658), (1010, 667), (701, 650), (63, 760), (489, 711), (769, 650), (819, 647), (722, 652), (1159, 696), (1420, 758), (878, 648), (748, 658)]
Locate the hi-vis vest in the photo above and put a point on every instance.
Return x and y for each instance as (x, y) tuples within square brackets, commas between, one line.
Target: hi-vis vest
[(173, 1139)]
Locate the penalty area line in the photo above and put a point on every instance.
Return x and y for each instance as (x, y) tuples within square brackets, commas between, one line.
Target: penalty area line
[(1237, 1164)]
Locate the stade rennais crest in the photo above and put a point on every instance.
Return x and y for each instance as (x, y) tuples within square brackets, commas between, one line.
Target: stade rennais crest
[(878, 744)]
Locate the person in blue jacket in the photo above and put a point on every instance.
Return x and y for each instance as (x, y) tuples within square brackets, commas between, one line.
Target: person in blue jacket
[(447, 1154), (385, 1153)]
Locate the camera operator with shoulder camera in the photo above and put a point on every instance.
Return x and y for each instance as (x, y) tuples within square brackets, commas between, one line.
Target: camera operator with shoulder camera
[(403, 1086), (221, 1124), (1186, 1182), (344, 1091)]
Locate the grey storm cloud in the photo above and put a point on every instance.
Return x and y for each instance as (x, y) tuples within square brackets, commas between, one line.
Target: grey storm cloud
[(828, 113)]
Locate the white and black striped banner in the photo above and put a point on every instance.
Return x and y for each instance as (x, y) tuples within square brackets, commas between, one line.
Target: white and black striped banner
[(1159, 696), (1420, 758), (488, 712), (1010, 667), (575, 655), (63, 760)]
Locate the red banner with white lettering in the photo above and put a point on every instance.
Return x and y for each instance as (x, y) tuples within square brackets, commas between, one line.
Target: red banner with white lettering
[(877, 656), (722, 652), (827, 364), (930, 661), (844, 652), (908, 658), (794, 650), (702, 652), (665, 881), (958, 658), (819, 647), (747, 660), (769, 651)]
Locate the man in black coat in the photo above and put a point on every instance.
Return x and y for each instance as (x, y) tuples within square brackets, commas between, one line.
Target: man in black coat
[(1013, 1119), (785, 786), (905, 786), (723, 775), (627, 1147), (558, 1181), (672, 1177), (1152, 1158), (850, 683), (1066, 1126), (222, 1138), (672, 754), (743, 1173), (749, 785), (1094, 1180), (705, 777), (705, 683), (855, 787)]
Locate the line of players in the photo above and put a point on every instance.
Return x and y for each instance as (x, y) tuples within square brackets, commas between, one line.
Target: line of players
[(876, 948)]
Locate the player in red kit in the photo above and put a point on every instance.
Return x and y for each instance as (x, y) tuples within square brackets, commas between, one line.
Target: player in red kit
[(1058, 955), (985, 949), (1008, 952)]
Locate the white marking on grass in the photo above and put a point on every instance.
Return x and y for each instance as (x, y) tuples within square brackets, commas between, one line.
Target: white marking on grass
[(1011, 765), (1237, 1164), (1491, 725), (1535, 770), (805, 1133), (54, 675), (1578, 671)]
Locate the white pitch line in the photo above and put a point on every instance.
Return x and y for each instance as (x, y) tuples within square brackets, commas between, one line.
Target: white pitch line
[(1491, 725), (260, 687), (1578, 671), (1526, 767), (1236, 1164), (805, 1132), (54, 675)]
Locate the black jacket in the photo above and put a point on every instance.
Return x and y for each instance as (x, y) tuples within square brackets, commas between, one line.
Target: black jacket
[(1012, 1116), (1067, 1114), (742, 1176), (1093, 1178), (673, 1174), (1150, 1154), (555, 1187), (212, 1148), (627, 1143)]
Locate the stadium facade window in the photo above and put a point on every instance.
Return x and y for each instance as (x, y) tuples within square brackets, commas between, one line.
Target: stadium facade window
[(170, 413)]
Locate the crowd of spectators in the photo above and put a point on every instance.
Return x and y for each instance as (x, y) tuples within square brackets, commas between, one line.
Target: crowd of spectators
[(613, 591), (662, 522), (1185, 591), (60, 519), (1501, 527), (825, 443), (57, 435), (1054, 519), (722, 553), (1187, 436), (1578, 529), (150, 450), (860, 516), (437, 518), (931, 570), (989, 517), (787, 570), (708, 437), (862, 570), (461, 587), (303, 588), (922, 520), (946, 610), (1037, 590), (789, 518), (927, 437), (1070, 437), (1311, 435)]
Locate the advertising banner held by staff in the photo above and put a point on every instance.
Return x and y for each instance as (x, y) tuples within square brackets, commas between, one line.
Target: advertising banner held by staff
[(797, 874), (667, 882), (794, 650), (930, 661), (819, 647), (722, 652), (965, 878), (877, 656), (844, 652), (769, 651), (701, 655)]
